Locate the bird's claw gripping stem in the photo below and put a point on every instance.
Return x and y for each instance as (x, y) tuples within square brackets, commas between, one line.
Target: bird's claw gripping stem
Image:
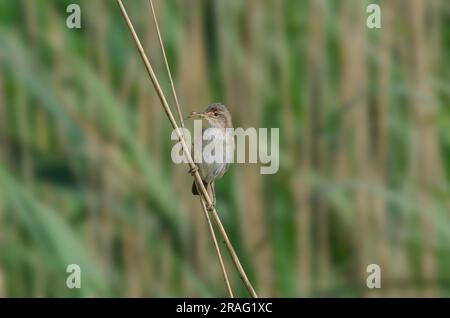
[(192, 171)]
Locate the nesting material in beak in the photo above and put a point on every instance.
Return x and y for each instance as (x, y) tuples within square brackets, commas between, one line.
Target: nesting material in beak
[(197, 115)]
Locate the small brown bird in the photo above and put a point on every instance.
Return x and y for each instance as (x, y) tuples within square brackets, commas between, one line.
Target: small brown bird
[(216, 116)]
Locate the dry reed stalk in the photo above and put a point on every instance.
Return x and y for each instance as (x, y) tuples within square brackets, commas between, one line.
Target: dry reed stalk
[(191, 163), (109, 194), (4, 160), (216, 246), (154, 131), (354, 77), (166, 63), (235, 80), (284, 80), (3, 123), (2, 284), (23, 119), (426, 170), (359, 117), (303, 210), (316, 83), (131, 263), (381, 144), (175, 97), (400, 265)]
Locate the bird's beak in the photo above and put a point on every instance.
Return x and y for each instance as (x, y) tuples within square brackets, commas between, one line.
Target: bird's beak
[(197, 115)]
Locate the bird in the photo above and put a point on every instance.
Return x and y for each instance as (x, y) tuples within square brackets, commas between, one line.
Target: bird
[(216, 116)]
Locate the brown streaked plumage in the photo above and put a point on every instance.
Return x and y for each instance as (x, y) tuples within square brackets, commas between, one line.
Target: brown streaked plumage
[(217, 116)]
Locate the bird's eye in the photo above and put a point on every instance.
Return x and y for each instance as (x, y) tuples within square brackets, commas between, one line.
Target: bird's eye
[(216, 114)]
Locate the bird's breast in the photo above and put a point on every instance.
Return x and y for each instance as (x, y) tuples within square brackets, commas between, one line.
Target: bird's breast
[(216, 153)]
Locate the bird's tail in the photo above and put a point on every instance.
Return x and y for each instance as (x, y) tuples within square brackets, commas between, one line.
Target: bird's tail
[(194, 187)]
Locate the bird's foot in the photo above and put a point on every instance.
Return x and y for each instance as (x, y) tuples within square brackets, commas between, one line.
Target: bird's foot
[(192, 171)]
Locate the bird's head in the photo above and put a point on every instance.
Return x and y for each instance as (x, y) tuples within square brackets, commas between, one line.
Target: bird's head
[(217, 115)]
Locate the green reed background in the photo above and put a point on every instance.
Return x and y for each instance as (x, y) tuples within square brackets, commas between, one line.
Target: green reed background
[(364, 117)]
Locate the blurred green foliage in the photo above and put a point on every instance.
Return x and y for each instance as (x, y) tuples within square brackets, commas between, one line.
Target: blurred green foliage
[(85, 169)]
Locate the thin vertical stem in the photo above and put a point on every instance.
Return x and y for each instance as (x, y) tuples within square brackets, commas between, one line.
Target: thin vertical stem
[(175, 97), (216, 246), (172, 86), (192, 165)]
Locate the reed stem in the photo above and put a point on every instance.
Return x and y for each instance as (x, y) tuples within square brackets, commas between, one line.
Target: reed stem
[(180, 116), (172, 86), (191, 163), (216, 246)]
